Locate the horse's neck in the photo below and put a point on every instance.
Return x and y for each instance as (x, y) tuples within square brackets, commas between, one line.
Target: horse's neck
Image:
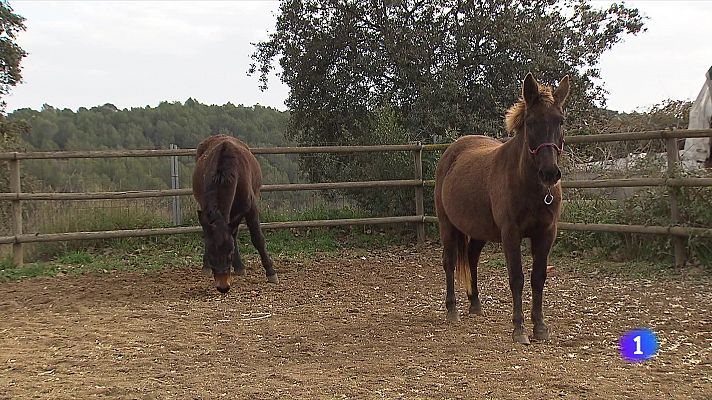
[(520, 163), (212, 199)]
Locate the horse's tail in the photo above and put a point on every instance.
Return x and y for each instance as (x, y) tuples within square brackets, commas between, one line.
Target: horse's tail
[(462, 263)]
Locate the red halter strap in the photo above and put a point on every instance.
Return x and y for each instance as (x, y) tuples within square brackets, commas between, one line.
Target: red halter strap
[(558, 149)]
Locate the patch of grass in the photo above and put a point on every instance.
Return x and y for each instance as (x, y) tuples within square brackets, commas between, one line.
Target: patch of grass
[(8, 272), (646, 207), (290, 243), (306, 242), (317, 213), (185, 251), (144, 258), (77, 220), (75, 257), (379, 239)]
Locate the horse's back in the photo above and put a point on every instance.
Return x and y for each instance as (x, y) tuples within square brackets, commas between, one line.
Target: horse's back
[(213, 141), (464, 150), (231, 157), (476, 144), (463, 186)]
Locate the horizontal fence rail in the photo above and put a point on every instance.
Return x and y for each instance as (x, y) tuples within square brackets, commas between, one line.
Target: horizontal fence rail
[(637, 182), (625, 182), (16, 196), (681, 231), (124, 233), (140, 194), (615, 137), (61, 155)]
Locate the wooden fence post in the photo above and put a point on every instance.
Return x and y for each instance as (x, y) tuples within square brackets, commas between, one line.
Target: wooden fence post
[(673, 157), (419, 206), (15, 186), (175, 184)]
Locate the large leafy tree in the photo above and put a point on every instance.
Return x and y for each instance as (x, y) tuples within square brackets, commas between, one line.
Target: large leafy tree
[(10, 71), (10, 56), (364, 72), (10, 53)]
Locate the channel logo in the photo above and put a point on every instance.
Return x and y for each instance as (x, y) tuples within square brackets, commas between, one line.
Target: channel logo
[(638, 345)]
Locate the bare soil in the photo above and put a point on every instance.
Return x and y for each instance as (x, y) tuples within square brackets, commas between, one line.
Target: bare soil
[(362, 325)]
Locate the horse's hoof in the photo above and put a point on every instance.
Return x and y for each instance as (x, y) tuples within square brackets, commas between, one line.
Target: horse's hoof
[(477, 310), (240, 272), (541, 334), (453, 316), (273, 279), (520, 338)]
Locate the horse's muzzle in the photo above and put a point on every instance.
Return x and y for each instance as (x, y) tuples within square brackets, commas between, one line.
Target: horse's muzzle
[(550, 176), (222, 282)]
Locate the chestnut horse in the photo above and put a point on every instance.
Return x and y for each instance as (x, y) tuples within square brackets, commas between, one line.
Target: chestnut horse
[(489, 191), (226, 184)]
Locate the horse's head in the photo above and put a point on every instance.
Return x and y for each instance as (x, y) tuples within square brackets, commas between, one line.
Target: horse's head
[(219, 249), (539, 116)]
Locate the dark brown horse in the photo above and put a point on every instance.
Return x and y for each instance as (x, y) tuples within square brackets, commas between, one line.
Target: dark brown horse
[(489, 191), (226, 185)]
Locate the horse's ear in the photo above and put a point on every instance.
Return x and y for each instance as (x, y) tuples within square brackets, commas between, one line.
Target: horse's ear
[(530, 90), (562, 92)]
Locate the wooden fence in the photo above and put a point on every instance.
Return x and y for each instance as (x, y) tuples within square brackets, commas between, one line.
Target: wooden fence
[(418, 183)]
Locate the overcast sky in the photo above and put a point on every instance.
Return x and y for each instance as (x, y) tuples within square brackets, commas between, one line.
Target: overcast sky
[(134, 54)]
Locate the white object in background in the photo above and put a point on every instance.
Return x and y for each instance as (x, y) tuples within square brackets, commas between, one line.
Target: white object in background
[(697, 150)]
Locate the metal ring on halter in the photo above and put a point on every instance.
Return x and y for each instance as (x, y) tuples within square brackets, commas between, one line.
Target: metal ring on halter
[(549, 198)]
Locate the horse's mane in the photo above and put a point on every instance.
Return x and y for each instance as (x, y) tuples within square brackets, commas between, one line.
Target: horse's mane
[(514, 118)]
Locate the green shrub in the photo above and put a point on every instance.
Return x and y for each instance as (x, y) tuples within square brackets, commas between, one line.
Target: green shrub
[(647, 207)]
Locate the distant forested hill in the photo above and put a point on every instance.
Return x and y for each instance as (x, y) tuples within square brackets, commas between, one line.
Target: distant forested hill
[(106, 127)]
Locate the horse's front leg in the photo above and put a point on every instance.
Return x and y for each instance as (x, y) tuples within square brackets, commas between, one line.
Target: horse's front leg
[(511, 242), (237, 263), (541, 245), (206, 265)]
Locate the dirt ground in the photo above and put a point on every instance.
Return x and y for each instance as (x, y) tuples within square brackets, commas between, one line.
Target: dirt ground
[(363, 325)]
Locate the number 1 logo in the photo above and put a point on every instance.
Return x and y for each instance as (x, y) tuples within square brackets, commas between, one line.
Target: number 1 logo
[(638, 345), (637, 351)]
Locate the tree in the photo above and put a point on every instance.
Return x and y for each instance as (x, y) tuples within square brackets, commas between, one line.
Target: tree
[(441, 68), (10, 53), (107, 127), (10, 72), (668, 114)]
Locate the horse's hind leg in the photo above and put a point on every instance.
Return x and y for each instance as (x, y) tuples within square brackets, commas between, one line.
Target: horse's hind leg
[(541, 246), (473, 255), (451, 240), (258, 240)]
